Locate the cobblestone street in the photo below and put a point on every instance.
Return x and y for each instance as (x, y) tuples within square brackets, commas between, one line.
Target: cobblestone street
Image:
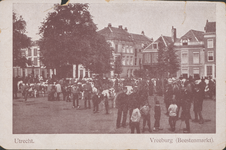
[(39, 116)]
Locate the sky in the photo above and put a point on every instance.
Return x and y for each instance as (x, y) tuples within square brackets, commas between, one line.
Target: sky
[(154, 18)]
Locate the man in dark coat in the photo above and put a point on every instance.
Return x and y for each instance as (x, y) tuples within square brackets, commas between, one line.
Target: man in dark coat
[(186, 105), (168, 96), (122, 106), (198, 101), (87, 94)]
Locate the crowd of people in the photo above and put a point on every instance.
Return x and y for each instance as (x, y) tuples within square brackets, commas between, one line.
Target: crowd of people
[(130, 96)]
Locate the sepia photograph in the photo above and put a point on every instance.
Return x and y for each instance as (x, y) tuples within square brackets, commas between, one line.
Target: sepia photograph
[(115, 69), (129, 76)]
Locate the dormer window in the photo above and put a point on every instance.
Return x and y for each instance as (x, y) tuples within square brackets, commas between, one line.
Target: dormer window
[(185, 42)]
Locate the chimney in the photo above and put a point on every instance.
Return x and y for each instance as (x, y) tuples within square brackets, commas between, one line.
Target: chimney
[(120, 26), (126, 29), (109, 25), (173, 34), (142, 32)]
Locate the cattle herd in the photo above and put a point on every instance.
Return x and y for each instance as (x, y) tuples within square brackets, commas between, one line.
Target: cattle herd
[(128, 95)]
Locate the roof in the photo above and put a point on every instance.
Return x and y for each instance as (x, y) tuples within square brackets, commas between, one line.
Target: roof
[(114, 33), (140, 38), (210, 27), (167, 39), (193, 36)]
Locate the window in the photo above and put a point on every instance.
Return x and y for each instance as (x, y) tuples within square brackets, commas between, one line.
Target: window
[(184, 58), (209, 70), (196, 72), (123, 60), (127, 60), (131, 60), (147, 58), (35, 52), (35, 62), (155, 58), (184, 72), (210, 43), (184, 42), (127, 49), (131, 49), (135, 61), (195, 57), (123, 49), (210, 55), (29, 52)]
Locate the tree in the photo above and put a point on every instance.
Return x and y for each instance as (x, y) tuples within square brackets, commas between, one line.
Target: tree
[(118, 65), (168, 63), (100, 56), (172, 60), (161, 67), (20, 41), (68, 36)]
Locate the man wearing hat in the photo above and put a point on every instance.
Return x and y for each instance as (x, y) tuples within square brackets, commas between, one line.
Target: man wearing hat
[(121, 104), (168, 94)]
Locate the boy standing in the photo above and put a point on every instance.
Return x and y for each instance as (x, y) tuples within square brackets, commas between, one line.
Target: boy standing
[(135, 120), (172, 115), (145, 110), (157, 115)]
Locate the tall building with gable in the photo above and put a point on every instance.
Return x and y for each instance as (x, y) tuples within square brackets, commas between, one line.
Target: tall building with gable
[(126, 45), (190, 49)]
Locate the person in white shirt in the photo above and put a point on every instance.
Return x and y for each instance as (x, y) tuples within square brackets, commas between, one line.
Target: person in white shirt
[(58, 90), (172, 115), (135, 120)]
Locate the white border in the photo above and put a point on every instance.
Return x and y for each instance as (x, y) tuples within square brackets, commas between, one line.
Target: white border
[(100, 141)]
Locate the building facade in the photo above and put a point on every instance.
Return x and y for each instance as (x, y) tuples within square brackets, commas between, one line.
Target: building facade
[(210, 49), (36, 68), (150, 53), (190, 49), (126, 45)]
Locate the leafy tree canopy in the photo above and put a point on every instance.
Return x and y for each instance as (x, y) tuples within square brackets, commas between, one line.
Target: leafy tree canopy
[(173, 62), (20, 41), (69, 37), (167, 60)]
